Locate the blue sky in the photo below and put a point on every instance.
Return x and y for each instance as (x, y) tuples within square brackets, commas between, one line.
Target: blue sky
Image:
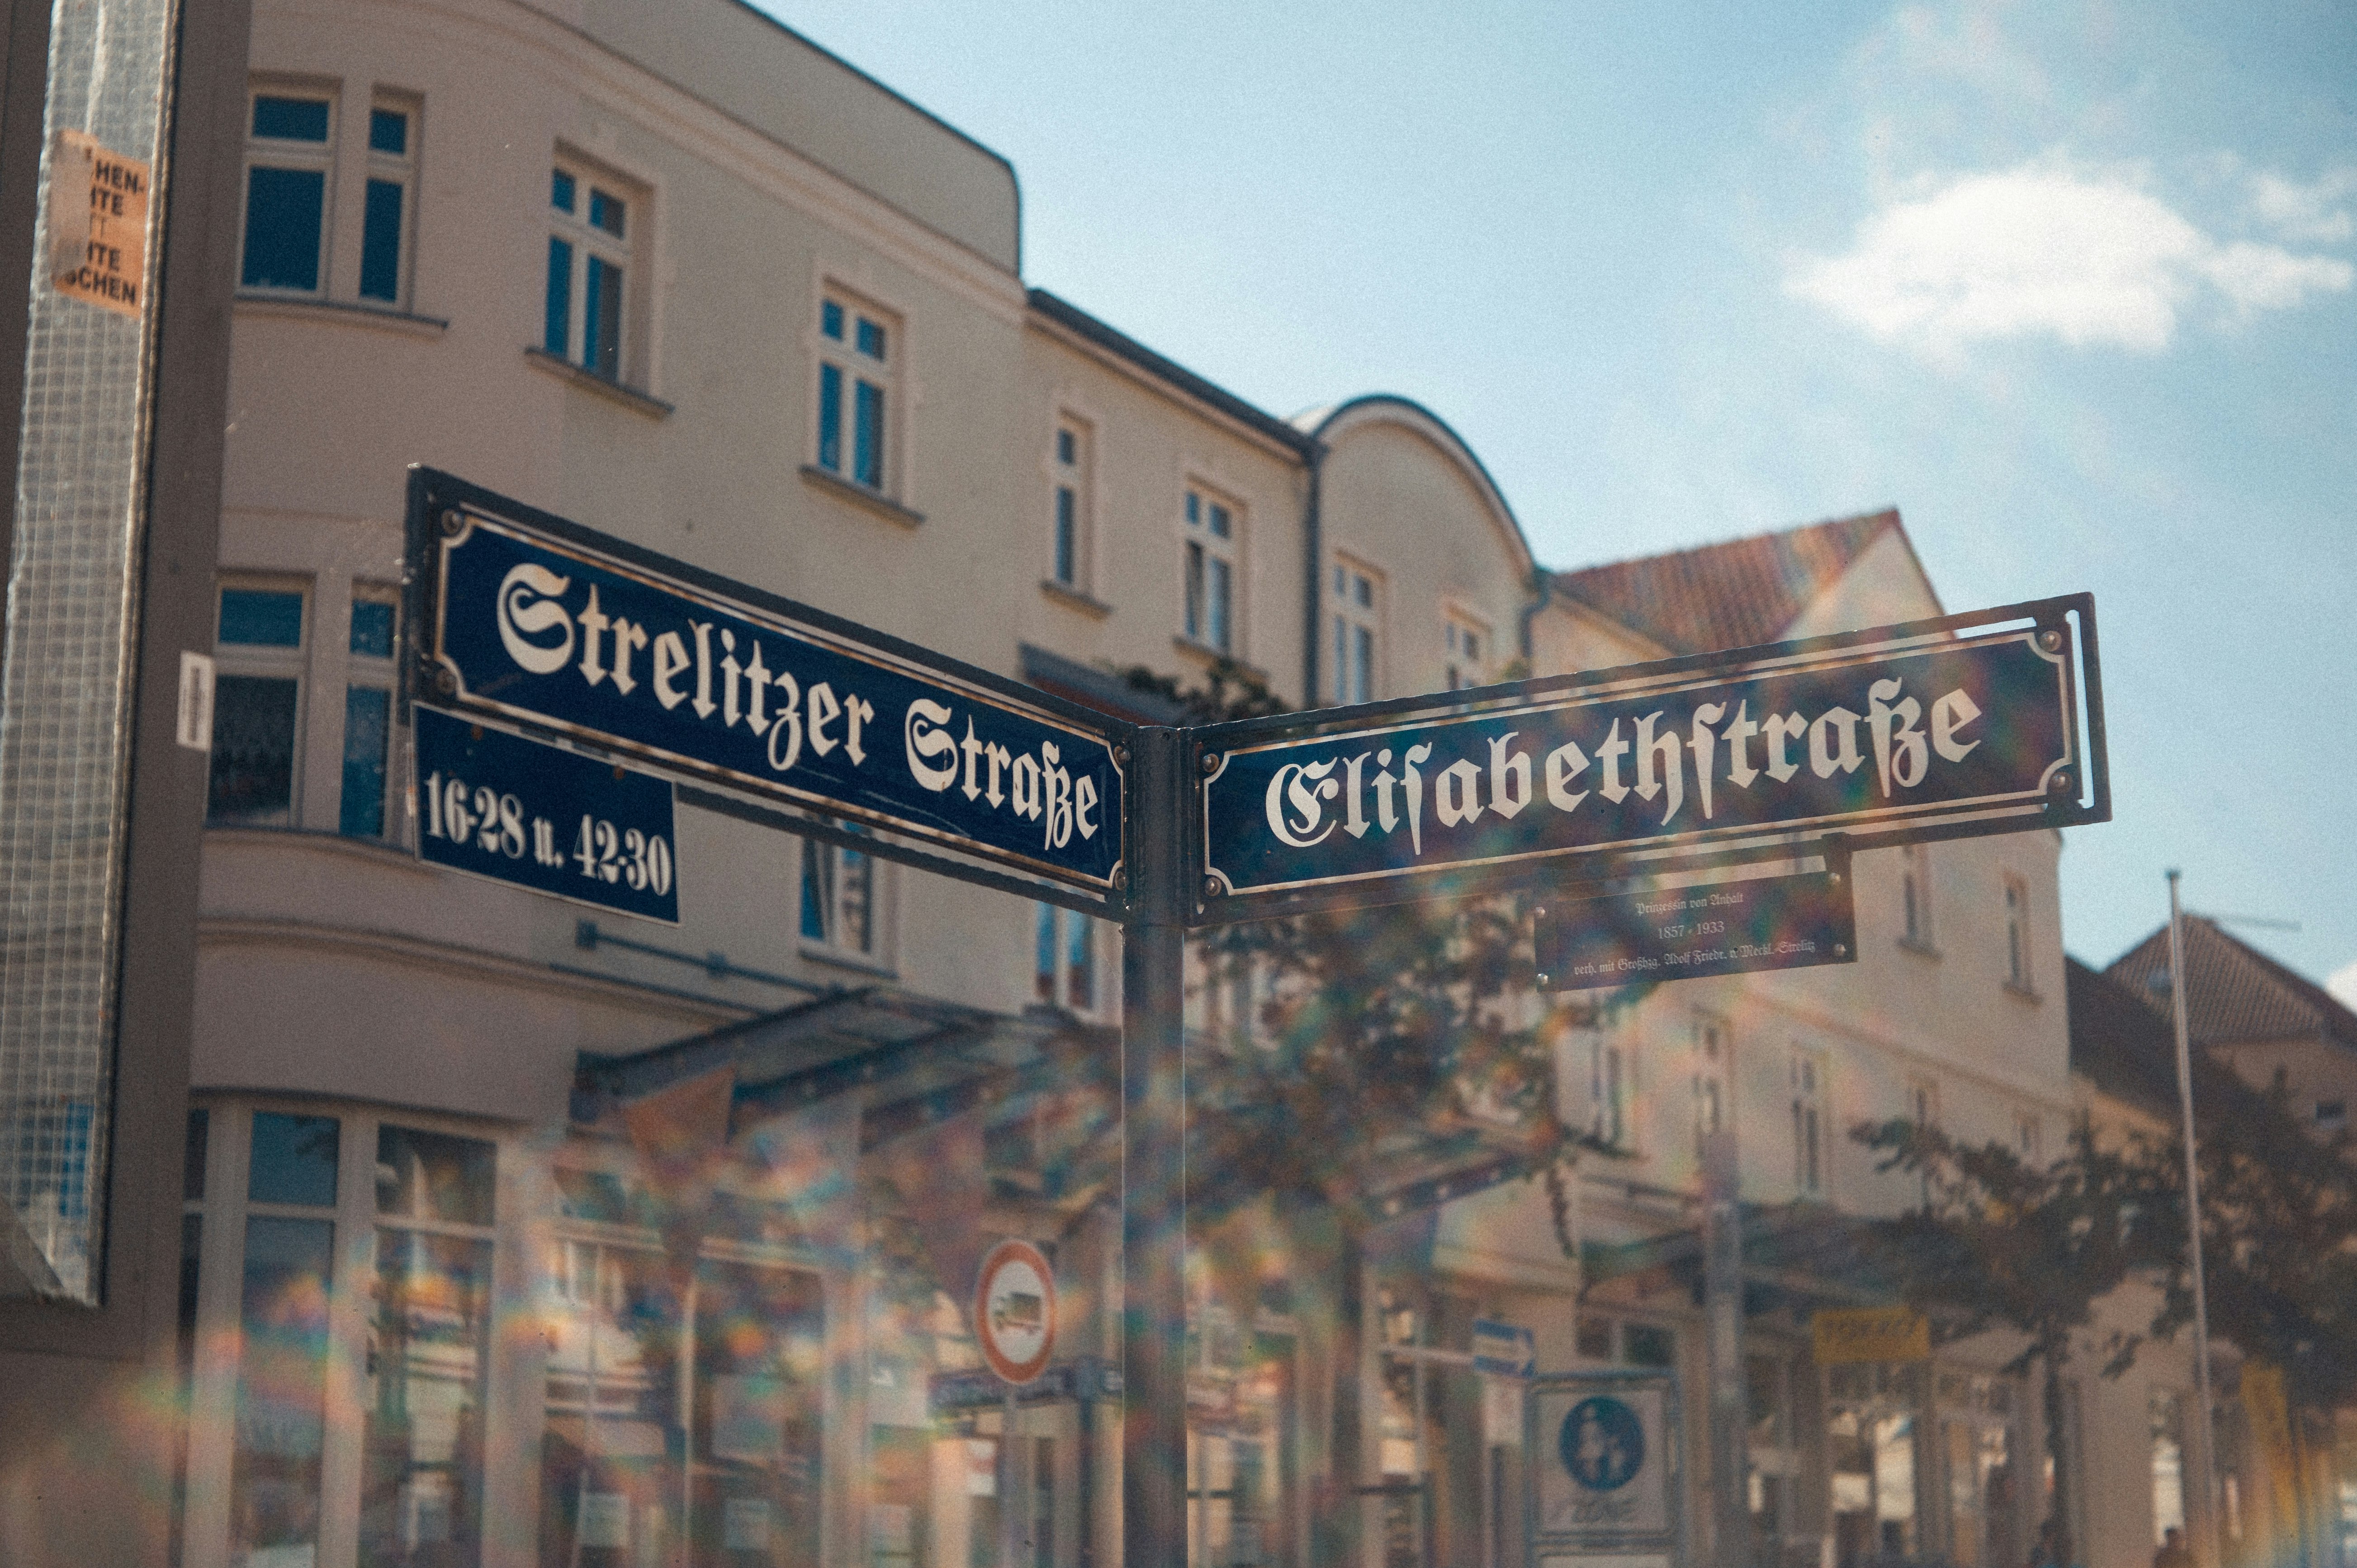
[(2073, 285)]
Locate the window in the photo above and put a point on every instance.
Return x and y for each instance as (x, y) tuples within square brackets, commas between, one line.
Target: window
[(2016, 934), (2332, 1116), (839, 902), (392, 177), (1915, 895), (1357, 633), (855, 348), (1648, 1345), (588, 315), (1070, 522), (2028, 1137), (1923, 1102), (367, 718), (257, 708), (289, 154), (1466, 643), (1712, 1048), (1065, 971), (1211, 572), (2166, 1422), (1808, 1123), (1608, 1088), (329, 1272)]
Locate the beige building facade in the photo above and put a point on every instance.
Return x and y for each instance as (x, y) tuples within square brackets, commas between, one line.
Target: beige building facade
[(682, 277)]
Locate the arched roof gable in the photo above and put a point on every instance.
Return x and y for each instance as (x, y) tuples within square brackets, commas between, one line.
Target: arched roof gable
[(1330, 424)]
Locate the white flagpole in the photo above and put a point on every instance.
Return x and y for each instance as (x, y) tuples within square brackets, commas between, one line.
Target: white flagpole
[(2207, 1466)]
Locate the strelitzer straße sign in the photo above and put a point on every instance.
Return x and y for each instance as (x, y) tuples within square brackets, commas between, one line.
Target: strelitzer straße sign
[(1921, 730), (535, 619)]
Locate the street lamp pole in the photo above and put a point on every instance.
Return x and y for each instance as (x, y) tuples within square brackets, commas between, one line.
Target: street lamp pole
[(2205, 1455)]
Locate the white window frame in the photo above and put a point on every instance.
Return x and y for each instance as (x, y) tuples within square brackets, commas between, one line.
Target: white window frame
[(1208, 561), (1610, 1069), (2030, 1137), (845, 354), (374, 672), (1356, 617), (398, 169), (627, 251), (832, 947), (215, 1368), (272, 152), (1917, 927), (1812, 1151), (269, 662), (1713, 1061), (1071, 504), (2018, 975), (1466, 641)]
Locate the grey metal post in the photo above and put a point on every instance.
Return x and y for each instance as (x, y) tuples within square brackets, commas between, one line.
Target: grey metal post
[(2205, 1460), (1153, 1170), (1723, 1319)]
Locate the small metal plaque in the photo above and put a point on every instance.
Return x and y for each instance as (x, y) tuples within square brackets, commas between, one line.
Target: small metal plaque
[(1792, 921), (526, 813)]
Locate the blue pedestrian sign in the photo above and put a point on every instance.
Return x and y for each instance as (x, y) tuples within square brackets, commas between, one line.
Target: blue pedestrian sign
[(1603, 1478)]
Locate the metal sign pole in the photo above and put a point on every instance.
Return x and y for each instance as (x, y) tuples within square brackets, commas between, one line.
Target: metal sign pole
[(2205, 1431), (1723, 1312), (1153, 1211)]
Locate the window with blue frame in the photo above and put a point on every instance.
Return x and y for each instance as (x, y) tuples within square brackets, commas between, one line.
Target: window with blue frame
[(289, 156), (588, 315), (386, 211), (855, 363)]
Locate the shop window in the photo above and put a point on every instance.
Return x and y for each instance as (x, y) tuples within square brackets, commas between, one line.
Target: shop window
[(1648, 1345), (859, 349), (283, 1321), (289, 158), (746, 1336), (1465, 643), (1073, 476), (1358, 632), (591, 313), (1593, 1339), (1871, 1450), (1065, 971), (257, 708), (1212, 542), (387, 211), (842, 901)]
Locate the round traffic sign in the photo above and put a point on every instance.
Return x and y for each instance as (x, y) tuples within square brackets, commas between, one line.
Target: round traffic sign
[(1015, 1310)]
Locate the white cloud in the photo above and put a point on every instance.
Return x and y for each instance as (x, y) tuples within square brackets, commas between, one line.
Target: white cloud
[(2043, 250), (2310, 213), (2342, 983)]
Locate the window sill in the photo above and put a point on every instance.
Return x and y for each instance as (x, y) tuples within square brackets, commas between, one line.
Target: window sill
[(1920, 949), (590, 381), (1205, 654), (1071, 598), (838, 958), (882, 505), (378, 317)]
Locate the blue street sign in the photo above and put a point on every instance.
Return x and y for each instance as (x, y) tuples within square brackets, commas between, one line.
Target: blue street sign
[(1503, 1349), (539, 621), (525, 812), (1932, 730)]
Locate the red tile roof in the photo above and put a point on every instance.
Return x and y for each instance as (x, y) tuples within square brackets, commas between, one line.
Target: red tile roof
[(2233, 992), (1738, 593)]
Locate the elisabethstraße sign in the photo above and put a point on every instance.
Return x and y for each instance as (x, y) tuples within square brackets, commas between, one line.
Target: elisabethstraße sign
[(1965, 725), (532, 619)]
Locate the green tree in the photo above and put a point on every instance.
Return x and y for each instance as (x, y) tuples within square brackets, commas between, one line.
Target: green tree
[(2000, 1243)]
